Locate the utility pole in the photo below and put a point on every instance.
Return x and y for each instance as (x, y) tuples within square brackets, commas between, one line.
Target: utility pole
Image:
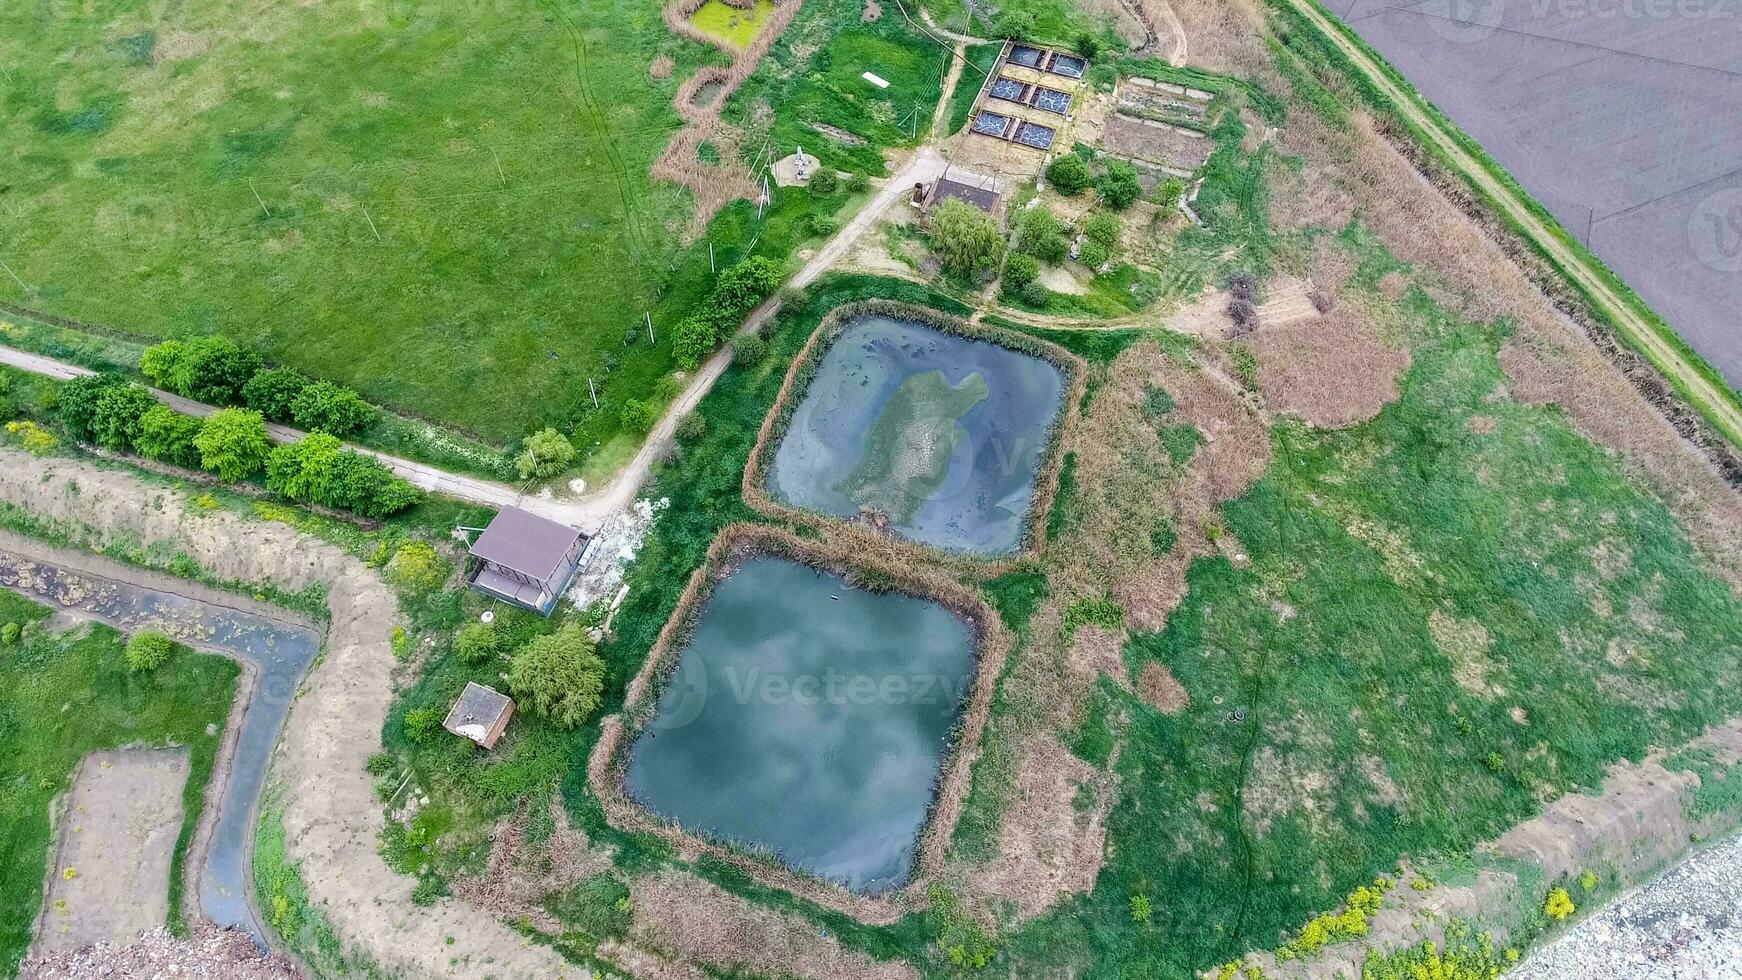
[(14, 276), (371, 221), (593, 392), (649, 316), (257, 199), (499, 174), (710, 256)]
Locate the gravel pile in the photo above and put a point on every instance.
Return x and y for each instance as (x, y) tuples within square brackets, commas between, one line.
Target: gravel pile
[(219, 954), (1687, 925)]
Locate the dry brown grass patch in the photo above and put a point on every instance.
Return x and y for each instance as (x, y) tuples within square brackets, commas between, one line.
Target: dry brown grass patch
[(662, 66), (694, 921), (1330, 371), (1159, 689), (518, 876), (1048, 848)]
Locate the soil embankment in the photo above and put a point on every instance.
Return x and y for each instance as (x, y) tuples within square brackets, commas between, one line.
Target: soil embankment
[(332, 818)]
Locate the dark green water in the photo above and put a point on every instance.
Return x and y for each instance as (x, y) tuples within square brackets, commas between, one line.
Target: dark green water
[(808, 719)]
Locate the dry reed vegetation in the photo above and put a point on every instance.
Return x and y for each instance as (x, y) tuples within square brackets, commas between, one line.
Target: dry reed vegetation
[(804, 366), (1330, 371), (864, 560), (698, 103), (518, 876)]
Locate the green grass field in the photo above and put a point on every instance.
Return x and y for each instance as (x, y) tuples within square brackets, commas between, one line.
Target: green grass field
[(445, 208), (64, 695), (814, 74)]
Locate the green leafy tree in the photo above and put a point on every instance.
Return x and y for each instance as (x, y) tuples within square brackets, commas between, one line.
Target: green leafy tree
[(9, 634), (545, 453), (691, 427), (825, 181), (749, 282), (233, 443), (1119, 187), (208, 369), (1170, 193), (1106, 228), (637, 415), (330, 408), (692, 342), (966, 239), (76, 404), (272, 393), (120, 410), (1068, 174), (162, 362), (477, 643), (1043, 236), (1019, 271), (365, 486), (305, 470), (1036, 294), (559, 676), (168, 436), (147, 651)]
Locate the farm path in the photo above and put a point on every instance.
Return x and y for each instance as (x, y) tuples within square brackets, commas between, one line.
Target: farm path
[(591, 511), (1709, 397), (942, 112)]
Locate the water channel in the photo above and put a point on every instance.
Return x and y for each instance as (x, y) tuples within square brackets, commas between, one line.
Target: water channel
[(280, 651)]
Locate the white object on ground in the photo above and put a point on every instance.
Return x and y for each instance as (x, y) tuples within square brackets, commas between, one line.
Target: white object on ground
[(877, 80)]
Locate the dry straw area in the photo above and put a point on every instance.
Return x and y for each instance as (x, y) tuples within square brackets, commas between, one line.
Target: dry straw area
[(803, 369), (847, 555)]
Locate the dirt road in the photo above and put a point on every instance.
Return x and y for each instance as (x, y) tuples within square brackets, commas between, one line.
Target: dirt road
[(1716, 402), (589, 512)]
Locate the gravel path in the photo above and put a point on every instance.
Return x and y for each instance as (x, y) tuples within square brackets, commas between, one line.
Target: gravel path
[(1686, 925)]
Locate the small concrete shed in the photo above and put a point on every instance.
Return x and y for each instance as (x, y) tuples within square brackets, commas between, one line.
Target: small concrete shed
[(481, 714)]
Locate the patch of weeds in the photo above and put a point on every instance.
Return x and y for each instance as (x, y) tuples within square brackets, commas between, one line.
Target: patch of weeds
[(1104, 613), (1016, 595), (1720, 789)]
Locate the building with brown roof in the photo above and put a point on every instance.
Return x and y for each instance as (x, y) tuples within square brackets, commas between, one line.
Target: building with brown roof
[(526, 559), (481, 714)]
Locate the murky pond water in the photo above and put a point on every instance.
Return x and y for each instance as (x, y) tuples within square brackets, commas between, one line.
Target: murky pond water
[(280, 651), (808, 719), (939, 434)]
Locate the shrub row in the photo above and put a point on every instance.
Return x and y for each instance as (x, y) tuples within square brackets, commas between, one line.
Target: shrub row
[(215, 370), (117, 414), (736, 292)]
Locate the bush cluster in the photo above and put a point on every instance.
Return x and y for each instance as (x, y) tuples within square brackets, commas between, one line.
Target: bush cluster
[(120, 415), (544, 454), (1043, 236), (1332, 927), (736, 292), (319, 470), (215, 370), (147, 651), (967, 240)]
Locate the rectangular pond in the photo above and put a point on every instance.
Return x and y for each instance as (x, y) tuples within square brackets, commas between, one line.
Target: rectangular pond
[(940, 436), (1036, 135), (808, 719), (1052, 100), (1026, 56), (990, 124)]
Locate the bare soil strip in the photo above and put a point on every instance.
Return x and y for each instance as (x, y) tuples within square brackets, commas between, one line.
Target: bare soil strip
[(109, 878)]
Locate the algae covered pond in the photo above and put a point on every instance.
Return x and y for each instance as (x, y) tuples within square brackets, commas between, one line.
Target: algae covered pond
[(809, 719), (940, 435)]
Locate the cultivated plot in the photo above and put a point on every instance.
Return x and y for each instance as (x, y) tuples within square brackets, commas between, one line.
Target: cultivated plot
[(1625, 121)]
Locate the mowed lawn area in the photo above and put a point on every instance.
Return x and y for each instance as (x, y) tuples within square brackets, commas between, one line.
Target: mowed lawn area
[(444, 206), (64, 695)]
